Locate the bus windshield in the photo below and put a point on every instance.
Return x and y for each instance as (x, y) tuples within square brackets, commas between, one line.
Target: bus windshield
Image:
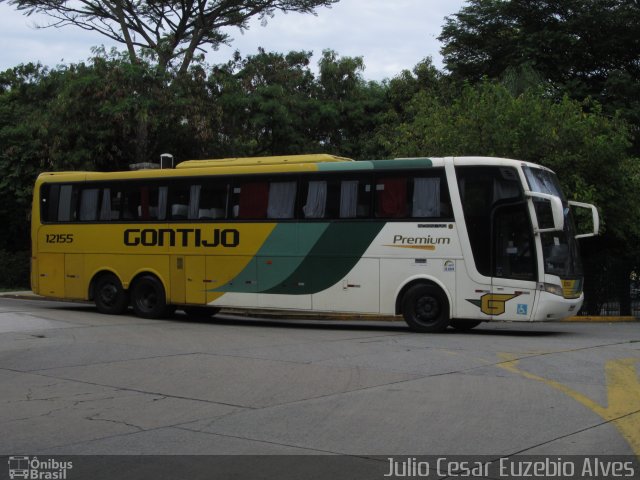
[(560, 249)]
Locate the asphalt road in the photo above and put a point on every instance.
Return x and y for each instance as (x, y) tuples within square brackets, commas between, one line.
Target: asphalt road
[(73, 381)]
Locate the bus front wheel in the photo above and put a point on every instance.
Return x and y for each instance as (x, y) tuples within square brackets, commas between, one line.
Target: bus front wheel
[(109, 296), (425, 308), (148, 298)]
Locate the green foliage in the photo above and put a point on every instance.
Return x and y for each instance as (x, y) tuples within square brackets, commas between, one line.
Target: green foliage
[(27, 91), (14, 266), (272, 104), (266, 102), (582, 48)]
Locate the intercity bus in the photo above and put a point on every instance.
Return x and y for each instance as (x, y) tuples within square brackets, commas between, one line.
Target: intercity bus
[(440, 241)]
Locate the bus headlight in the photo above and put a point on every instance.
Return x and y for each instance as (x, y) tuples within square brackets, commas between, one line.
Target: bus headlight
[(555, 289)]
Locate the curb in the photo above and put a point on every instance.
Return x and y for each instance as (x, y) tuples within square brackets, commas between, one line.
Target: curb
[(601, 319), (258, 313)]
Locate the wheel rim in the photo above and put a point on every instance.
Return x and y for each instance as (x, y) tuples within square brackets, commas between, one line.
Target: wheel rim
[(109, 294), (427, 309), (147, 298)]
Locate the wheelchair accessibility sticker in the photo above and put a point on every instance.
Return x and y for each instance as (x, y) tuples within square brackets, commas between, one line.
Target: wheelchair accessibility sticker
[(522, 309)]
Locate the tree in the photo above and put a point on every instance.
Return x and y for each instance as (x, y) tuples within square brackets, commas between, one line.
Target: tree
[(25, 93), (165, 32), (581, 47), (274, 104), (267, 104), (349, 107), (173, 31)]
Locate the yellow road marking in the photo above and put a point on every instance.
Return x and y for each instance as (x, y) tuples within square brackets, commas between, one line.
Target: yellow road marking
[(623, 395)]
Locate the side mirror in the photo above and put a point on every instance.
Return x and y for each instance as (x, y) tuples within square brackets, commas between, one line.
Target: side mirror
[(595, 218), (557, 211)]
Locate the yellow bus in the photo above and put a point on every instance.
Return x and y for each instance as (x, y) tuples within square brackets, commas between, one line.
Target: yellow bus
[(440, 241)]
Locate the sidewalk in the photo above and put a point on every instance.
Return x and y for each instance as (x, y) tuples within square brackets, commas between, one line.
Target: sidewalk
[(285, 314)]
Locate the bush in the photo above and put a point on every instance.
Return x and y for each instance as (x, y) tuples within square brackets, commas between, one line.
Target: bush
[(14, 269)]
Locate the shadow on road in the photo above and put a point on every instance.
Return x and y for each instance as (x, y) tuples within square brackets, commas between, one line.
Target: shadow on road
[(497, 329)]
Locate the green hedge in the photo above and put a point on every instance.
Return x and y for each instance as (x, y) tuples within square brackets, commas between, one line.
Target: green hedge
[(14, 269)]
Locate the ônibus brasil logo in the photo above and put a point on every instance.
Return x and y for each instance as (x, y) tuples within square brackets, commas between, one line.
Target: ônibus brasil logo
[(35, 469)]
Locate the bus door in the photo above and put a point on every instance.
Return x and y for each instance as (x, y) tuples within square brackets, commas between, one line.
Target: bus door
[(514, 263), (500, 260)]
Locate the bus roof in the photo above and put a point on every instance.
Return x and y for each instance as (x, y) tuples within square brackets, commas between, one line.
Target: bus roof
[(279, 164), (256, 161)]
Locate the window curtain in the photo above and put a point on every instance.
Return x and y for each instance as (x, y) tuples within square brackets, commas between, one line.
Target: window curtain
[(64, 204), (348, 199), (163, 196), (282, 199), (426, 197), (89, 204), (253, 200), (316, 200), (105, 207), (194, 201), (392, 198)]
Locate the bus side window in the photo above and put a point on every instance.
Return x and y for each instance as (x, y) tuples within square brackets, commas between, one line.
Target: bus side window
[(148, 208), (178, 201), (355, 198), (391, 197), (426, 199), (253, 201), (315, 205), (211, 202), (49, 195), (67, 203), (282, 199), (108, 208), (89, 199), (130, 201)]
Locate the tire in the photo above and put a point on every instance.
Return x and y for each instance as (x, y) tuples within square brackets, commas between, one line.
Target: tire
[(200, 312), (109, 296), (464, 325), (148, 298), (425, 308)]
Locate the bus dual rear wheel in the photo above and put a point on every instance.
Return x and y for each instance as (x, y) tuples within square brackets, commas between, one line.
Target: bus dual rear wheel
[(425, 308), (148, 298)]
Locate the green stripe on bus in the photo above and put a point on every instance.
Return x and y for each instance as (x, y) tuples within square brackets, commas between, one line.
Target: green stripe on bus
[(338, 250), (280, 255), (344, 166), (401, 163)]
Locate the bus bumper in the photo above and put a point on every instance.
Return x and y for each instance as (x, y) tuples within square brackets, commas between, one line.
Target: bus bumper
[(553, 307)]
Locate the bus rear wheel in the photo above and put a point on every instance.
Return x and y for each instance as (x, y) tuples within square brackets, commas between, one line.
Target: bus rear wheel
[(425, 308), (109, 296), (148, 298)]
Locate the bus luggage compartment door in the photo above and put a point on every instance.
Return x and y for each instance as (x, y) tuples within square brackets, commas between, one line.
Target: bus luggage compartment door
[(51, 274), (74, 285)]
